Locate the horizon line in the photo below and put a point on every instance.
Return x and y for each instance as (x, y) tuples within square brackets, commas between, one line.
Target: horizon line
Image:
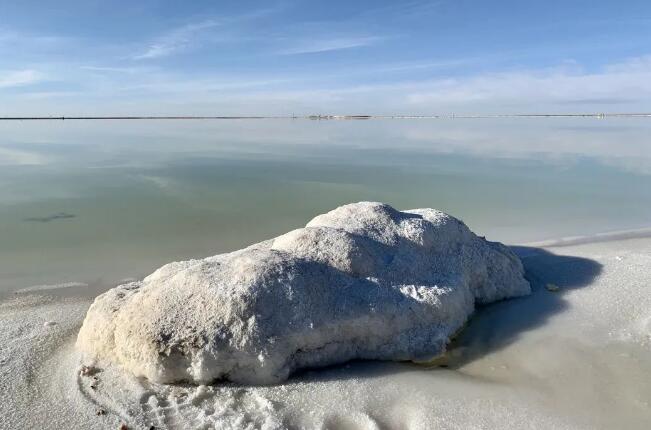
[(324, 117)]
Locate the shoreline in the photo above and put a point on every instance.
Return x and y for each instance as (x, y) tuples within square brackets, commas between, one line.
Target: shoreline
[(82, 288), (566, 359), (609, 236)]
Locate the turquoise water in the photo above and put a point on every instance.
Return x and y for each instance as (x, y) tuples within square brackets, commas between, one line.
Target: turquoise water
[(98, 202)]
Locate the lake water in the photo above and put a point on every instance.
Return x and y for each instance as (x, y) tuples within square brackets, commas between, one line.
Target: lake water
[(97, 202)]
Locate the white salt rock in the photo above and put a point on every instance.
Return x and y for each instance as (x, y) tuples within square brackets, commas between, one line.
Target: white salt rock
[(363, 281)]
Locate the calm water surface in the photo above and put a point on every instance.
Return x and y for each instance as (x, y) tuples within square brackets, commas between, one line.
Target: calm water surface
[(98, 202)]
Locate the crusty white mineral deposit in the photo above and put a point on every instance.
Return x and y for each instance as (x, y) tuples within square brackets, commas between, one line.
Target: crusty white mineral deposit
[(364, 281)]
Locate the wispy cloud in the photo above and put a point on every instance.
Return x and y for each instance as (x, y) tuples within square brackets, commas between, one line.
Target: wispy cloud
[(13, 38), (386, 88), (19, 78), (331, 44), (626, 84), (422, 9), (179, 39), (109, 69), (635, 64), (629, 80), (193, 35)]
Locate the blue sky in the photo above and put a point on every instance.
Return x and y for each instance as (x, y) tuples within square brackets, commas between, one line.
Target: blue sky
[(284, 57)]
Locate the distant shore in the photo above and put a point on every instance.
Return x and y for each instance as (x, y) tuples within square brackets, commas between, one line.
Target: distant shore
[(327, 117)]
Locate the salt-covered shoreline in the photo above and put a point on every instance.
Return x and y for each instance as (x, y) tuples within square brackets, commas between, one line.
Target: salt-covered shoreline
[(576, 358)]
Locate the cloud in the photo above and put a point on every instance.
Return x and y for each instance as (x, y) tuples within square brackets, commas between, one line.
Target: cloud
[(632, 65), (179, 39), (26, 48), (193, 35), (19, 78), (440, 86), (12, 39), (331, 44), (627, 81), (626, 84), (596, 101), (108, 69), (405, 9)]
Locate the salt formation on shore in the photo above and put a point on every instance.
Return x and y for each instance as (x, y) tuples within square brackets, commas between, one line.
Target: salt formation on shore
[(362, 281)]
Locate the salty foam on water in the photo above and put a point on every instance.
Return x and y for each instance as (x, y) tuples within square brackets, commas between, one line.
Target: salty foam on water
[(46, 287)]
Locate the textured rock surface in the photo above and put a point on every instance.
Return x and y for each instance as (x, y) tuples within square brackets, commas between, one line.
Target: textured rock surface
[(362, 281)]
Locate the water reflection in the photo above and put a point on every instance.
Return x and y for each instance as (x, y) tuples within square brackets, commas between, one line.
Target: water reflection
[(125, 197)]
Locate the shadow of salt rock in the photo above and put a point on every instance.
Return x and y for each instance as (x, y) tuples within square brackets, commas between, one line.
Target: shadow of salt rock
[(492, 327), (497, 325)]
